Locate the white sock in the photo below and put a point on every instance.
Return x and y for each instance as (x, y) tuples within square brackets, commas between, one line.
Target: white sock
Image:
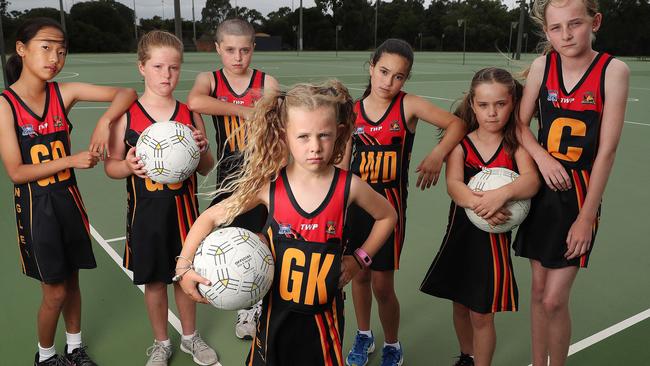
[(73, 341), (166, 342), (188, 337), (367, 333), (45, 353), (394, 345)]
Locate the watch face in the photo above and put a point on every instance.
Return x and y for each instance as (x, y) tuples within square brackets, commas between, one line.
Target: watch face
[(366, 259)]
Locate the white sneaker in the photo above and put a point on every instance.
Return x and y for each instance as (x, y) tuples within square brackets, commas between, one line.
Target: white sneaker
[(202, 354), (158, 354), (247, 321)]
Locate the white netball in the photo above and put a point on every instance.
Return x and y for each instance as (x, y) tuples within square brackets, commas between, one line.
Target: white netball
[(493, 178), (239, 266), (168, 151)]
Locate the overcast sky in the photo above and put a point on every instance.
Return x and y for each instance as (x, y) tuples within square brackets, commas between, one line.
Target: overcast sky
[(149, 8)]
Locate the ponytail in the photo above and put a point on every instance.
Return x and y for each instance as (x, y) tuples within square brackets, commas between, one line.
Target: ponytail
[(13, 68)]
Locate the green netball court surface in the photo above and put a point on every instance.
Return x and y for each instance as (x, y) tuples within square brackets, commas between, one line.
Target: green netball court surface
[(611, 299)]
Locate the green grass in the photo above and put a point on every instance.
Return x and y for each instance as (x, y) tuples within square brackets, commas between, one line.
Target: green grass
[(115, 324)]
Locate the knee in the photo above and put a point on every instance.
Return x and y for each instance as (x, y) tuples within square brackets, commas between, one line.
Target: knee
[(54, 297), (537, 294), (362, 278), (481, 321), (384, 291), (553, 305)]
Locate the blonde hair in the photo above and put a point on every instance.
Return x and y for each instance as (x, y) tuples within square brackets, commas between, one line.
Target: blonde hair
[(235, 27), (538, 14), (157, 38), (266, 151)]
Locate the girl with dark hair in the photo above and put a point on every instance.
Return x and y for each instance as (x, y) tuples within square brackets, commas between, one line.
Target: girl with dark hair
[(473, 267), (379, 152), (53, 229)]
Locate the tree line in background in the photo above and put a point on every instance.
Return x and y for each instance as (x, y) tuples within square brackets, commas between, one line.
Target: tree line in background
[(108, 25)]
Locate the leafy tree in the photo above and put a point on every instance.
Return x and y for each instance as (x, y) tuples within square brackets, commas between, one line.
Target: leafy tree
[(214, 12)]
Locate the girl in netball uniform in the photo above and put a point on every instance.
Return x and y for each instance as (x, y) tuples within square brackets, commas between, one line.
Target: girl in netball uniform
[(159, 215), (579, 95), (53, 229), (294, 140), (380, 149), (473, 267)]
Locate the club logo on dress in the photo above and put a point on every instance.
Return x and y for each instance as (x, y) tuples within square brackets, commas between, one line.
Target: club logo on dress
[(28, 130), (284, 229), (330, 228), (359, 130), (58, 122), (223, 99), (552, 96), (588, 98), (394, 125)]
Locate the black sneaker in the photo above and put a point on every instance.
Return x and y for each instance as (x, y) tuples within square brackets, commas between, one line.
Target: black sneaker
[(56, 360), (464, 360), (79, 357)]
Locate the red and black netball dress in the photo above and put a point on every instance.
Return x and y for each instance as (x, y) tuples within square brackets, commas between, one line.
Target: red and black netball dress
[(569, 129), (53, 229), (473, 267), (381, 153), (159, 215), (302, 315)]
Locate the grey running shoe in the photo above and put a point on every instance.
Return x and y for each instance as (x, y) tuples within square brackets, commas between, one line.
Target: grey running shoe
[(201, 353)]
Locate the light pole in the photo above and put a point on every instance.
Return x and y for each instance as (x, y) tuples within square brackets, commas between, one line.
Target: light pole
[(420, 35), (463, 23), (135, 24), (442, 42), (525, 42), (376, 12), (294, 30), (520, 33), (300, 30), (62, 15), (193, 24), (513, 25), (338, 28)]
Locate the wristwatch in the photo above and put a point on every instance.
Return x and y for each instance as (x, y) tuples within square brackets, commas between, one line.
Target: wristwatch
[(363, 256)]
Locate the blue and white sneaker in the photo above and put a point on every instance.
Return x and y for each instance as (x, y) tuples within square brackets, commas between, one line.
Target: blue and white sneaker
[(391, 356), (362, 347)]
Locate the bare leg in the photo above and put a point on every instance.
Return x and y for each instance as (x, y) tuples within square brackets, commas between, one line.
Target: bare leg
[(463, 327), (155, 298), (556, 306), (186, 309), (538, 321), (362, 298), (485, 338), (72, 304), (383, 286), (54, 297)]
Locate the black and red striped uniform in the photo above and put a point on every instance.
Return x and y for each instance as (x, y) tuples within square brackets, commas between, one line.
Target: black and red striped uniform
[(381, 153), (53, 229), (474, 267), (159, 216), (569, 129), (231, 139), (302, 315)]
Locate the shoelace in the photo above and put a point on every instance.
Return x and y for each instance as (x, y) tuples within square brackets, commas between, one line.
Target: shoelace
[(158, 352), (79, 355), (361, 344), (198, 344), (390, 356), (464, 360), (248, 315)]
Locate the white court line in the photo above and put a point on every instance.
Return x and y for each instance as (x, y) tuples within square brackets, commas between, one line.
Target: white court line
[(116, 239), (173, 320), (606, 333), (74, 75)]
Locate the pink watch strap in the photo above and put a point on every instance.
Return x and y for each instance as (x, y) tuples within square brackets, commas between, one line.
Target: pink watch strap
[(365, 258)]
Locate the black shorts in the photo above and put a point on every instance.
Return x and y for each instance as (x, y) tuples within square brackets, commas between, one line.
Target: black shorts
[(53, 233), (542, 236), (156, 231), (359, 224), (287, 338), (253, 220)]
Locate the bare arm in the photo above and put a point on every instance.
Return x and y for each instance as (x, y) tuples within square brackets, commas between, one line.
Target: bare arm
[(271, 85), (204, 224), (120, 98), (200, 101), (122, 163), (385, 218), (616, 89), (454, 174), (455, 129), (553, 172), (20, 173), (207, 160)]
